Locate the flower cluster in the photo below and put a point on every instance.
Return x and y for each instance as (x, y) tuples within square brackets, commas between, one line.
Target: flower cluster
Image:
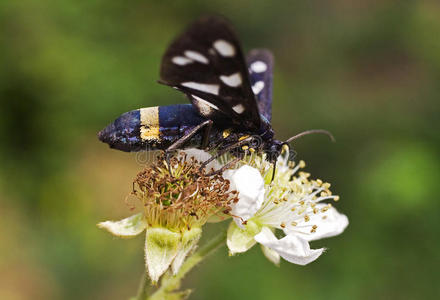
[(282, 213), (175, 207), (292, 204)]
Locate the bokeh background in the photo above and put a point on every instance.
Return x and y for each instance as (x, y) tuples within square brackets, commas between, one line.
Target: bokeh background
[(369, 71)]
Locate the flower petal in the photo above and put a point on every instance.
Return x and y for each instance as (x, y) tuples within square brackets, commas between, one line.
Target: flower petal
[(128, 227), (290, 247), (329, 223), (250, 185), (161, 247), (271, 255), (241, 239), (201, 156), (190, 239)]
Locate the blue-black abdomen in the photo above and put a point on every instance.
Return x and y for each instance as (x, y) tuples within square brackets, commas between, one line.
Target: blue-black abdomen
[(151, 128), (179, 115)]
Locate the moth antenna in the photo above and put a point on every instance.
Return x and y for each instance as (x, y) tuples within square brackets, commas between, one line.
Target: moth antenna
[(311, 131)]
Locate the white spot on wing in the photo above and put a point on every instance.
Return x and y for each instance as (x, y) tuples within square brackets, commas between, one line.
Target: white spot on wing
[(204, 106), (233, 80), (201, 100), (239, 108), (258, 67), (203, 87), (258, 87), (181, 61), (194, 55), (224, 48)]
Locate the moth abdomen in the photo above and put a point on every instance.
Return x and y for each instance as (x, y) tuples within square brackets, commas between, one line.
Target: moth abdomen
[(123, 133), (151, 128)]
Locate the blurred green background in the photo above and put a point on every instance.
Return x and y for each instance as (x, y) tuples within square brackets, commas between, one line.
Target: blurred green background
[(369, 71)]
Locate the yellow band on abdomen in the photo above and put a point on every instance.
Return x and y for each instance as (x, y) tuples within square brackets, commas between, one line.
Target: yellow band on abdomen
[(150, 123)]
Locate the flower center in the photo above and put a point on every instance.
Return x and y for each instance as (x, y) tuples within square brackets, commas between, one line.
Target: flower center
[(292, 201), (183, 199)]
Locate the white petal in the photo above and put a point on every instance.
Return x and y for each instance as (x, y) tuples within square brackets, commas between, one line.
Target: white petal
[(161, 247), (330, 223), (290, 247), (127, 227), (190, 239), (201, 156), (271, 255), (250, 185), (241, 239)]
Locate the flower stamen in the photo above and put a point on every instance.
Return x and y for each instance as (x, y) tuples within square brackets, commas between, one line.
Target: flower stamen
[(184, 199)]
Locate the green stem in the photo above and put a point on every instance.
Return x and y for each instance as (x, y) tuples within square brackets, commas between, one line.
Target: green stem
[(170, 283), (144, 285)]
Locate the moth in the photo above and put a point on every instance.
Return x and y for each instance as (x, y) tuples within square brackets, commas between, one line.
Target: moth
[(230, 106)]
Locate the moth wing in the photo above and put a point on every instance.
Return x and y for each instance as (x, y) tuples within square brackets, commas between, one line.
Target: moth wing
[(260, 66), (206, 63)]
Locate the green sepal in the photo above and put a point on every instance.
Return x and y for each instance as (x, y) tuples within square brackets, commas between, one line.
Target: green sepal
[(189, 241), (161, 247), (242, 239), (125, 228)]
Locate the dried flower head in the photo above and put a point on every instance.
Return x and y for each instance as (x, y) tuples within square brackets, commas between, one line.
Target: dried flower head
[(183, 199), (175, 207)]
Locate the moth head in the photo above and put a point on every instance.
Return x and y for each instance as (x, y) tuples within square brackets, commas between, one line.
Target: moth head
[(273, 150)]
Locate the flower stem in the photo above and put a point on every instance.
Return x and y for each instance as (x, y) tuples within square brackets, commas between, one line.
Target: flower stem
[(170, 283), (143, 288)]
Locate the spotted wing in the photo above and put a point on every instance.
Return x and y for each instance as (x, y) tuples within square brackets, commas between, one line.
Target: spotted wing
[(207, 64), (260, 65)]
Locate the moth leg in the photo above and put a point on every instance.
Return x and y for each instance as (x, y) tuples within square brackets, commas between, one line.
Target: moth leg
[(274, 170), (205, 140), (227, 166), (190, 134), (181, 141), (225, 150), (214, 146)]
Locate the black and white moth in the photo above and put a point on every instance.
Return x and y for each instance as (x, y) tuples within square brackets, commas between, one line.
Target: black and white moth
[(231, 98)]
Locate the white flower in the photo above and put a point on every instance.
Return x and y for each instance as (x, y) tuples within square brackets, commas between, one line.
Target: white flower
[(291, 204), (250, 184), (175, 209)]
